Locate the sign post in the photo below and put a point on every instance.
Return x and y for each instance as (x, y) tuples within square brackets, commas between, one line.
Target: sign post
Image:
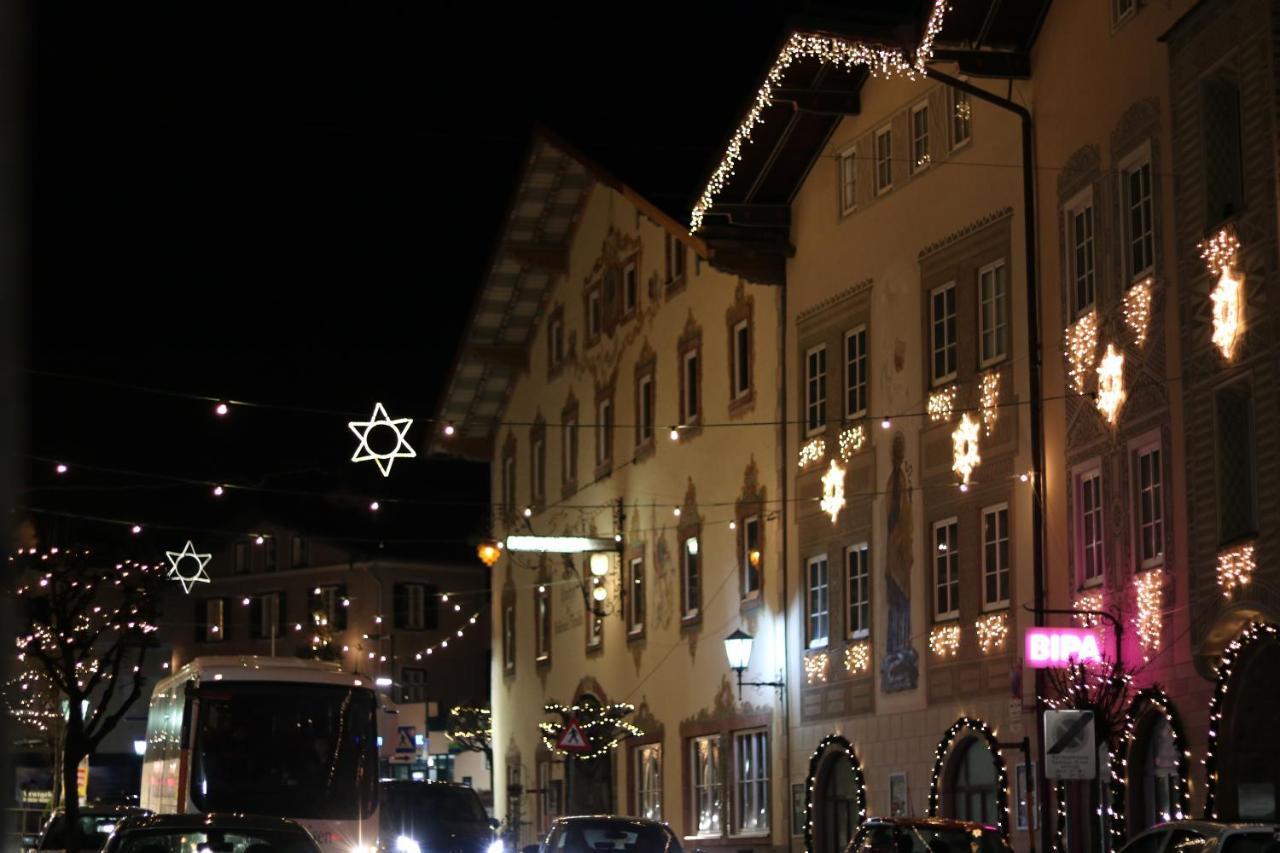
[(1070, 745)]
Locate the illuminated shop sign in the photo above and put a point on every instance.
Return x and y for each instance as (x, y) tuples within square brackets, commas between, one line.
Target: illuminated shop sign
[(1061, 647)]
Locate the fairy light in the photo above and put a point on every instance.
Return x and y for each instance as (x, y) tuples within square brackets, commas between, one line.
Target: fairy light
[(602, 724), (833, 491), (992, 630), (880, 61), (852, 439), (1137, 310), (815, 668), (990, 399), (812, 451), (1235, 568), (942, 404), (1221, 254), (964, 448), (1089, 601), (944, 640), (221, 410), (1081, 347), (1146, 701), (1111, 391), (1253, 633), (811, 785), (987, 734), (1149, 619), (857, 658)]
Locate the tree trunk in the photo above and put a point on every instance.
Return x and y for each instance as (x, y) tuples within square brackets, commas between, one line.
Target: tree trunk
[(71, 797)]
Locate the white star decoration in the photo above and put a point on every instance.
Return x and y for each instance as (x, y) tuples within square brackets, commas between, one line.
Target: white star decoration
[(832, 491), (175, 560), (402, 450)]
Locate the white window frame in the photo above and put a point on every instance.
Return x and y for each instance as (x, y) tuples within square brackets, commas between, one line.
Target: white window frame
[(920, 143), (857, 561), (1122, 10), (956, 97), (604, 432), (1133, 162), (817, 617), (1139, 449), (691, 407), (848, 181), (746, 557), (568, 453), (740, 358), (542, 625), (998, 273), (215, 620), (853, 366), (1002, 564), (1075, 207), (815, 392), (1090, 472), (950, 343), (645, 404), (629, 304), (690, 607), (650, 794), (883, 162), (539, 485), (594, 312), (635, 625), (952, 555), (754, 789), (711, 784)]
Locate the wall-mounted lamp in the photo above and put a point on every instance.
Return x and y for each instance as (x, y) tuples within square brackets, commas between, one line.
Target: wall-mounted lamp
[(737, 647)]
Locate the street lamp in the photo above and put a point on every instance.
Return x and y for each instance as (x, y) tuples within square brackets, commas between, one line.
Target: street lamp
[(737, 647)]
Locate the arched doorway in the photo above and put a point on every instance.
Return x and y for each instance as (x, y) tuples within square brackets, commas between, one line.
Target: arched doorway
[(970, 781), (836, 796), (1248, 740), (1155, 767)]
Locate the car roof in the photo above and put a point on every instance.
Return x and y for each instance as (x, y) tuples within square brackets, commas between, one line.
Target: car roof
[(424, 784), (216, 820), (1210, 827), (935, 822), (634, 821)]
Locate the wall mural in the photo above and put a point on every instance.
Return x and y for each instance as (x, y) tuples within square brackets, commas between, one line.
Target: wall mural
[(899, 668)]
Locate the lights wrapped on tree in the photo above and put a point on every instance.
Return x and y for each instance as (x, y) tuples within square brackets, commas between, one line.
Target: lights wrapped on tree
[(987, 734), (602, 724), (811, 785)]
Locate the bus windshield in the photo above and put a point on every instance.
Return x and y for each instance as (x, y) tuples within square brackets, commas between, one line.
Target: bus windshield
[(287, 749)]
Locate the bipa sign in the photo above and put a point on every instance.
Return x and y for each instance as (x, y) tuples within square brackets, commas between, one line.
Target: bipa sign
[(1061, 647)]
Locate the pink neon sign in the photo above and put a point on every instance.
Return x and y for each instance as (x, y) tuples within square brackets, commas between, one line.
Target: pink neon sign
[(1061, 647)]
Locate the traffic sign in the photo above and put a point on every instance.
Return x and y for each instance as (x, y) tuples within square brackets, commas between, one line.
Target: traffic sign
[(572, 739), (406, 745), (1071, 750)]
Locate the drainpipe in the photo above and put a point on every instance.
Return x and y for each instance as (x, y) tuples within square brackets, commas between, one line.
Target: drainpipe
[(784, 472), (1037, 412)]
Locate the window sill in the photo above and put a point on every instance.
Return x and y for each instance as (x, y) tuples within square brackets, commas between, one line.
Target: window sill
[(543, 663), (676, 284), (743, 403), (691, 619), (859, 636), (635, 634), (942, 380), (946, 618), (568, 488), (964, 143), (644, 450), (996, 606), (1149, 566), (992, 362), (1092, 582), (604, 469)]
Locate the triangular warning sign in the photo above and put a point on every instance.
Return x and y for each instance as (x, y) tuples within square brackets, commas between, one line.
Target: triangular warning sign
[(572, 739)]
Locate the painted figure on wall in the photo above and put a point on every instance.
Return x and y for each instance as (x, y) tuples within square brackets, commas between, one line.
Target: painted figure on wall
[(898, 668)]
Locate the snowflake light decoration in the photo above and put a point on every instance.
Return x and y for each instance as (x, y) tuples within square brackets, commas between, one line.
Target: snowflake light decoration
[(833, 491), (942, 404), (857, 658), (812, 451), (1235, 568), (1137, 310), (944, 640), (1111, 384), (1081, 345), (175, 571), (384, 459), (852, 440), (964, 444), (990, 400)]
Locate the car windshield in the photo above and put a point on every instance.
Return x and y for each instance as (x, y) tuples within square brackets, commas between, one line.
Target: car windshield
[(293, 750), (1247, 842), (590, 836), (214, 841), (928, 839), (94, 829), (406, 803)]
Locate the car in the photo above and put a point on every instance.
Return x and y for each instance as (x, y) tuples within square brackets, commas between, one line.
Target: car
[(97, 821), (213, 832), (440, 816), (926, 835), (1203, 836), (596, 833)]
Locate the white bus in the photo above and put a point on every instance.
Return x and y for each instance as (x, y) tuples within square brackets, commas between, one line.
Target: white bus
[(269, 736)]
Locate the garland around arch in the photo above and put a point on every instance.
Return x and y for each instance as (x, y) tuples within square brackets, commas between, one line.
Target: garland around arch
[(1155, 699), (859, 787), (1002, 776)]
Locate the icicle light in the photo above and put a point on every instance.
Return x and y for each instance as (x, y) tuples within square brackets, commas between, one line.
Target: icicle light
[(812, 451), (1137, 310), (857, 658), (852, 439), (944, 640), (942, 404), (1235, 568), (992, 630), (1081, 346), (990, 400), (1149, 619), (1221, 254), (815, 668)]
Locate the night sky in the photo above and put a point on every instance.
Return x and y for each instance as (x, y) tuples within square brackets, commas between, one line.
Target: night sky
[(296, 208)]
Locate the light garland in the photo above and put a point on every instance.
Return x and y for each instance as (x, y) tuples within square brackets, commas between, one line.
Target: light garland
[(812, 451), (942, 404), (880, 61), (992, 630), (1137, 310), (1235, 568), (1253, 633), (852, 440), (815, 668), (857, 658), (964, 444), (384, 460), (1155, 699), (175, 559), (982, 730), (590, 718), (1081, 347), (944, 640), (1149, 619), (833, 491), (1090, 601), (458, 634), (1111, 391), (811, 784), (990, 399), (1221, 254)]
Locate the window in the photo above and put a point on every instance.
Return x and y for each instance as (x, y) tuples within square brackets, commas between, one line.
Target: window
[(1025, 806), (413, 684), (1150, 491), (538, 461), (635, 597), (819, 614), (604, 432), (648, 781), (691, 577), (1237, 515), (920, 137), (1089, 502), (594, 316), (1139, 230), (644, 394), (961, 118), (884, 160), (849, 180), (741, 360), (691, 400), (858, 589), (993, 313), (675, 259), (942, 319), (327, 607), (569, 445), (708, 792), (542, 628), (241, 557), (815, 382), (509, 637), (751, 782), (268, 553), (1220, 126), (1122, 9), (267, 616), (595, 622), (1079, 217), (630, 288), (946, 569), (215, 626), (544, 799), (973, 789), (509, 482), (301, 552), (416, 606), (556, 339), (752, 557), (1157, 794), (855, 373), (995, 557)]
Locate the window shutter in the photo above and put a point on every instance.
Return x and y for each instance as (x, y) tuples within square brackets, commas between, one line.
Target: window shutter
[(400, 603), (199, 620), (283, 617), (340, 612), (255, 617), (430, 608)]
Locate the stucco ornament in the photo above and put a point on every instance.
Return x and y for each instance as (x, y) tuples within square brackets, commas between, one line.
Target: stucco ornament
[(383, 459)]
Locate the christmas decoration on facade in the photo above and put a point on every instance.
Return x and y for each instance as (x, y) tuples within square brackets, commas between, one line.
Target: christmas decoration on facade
[(990, 399), (857, 658), (814, 450), (987, 734), (992, 630), (1081, 347), (942, 404), (1088, 601), (602, 724), (964, 445), (1253, 633), (176, 559), (944, 640), (1137, 310), (1235, 568), (1152, 700), (378, 425), (833, 491), (1111, 391), (1221, 254), (852, 439), (815, 668), (811, 786), (1149, 618)]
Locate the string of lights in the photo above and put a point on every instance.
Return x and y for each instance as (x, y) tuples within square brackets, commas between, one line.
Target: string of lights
[(811, 783), (986, 733)]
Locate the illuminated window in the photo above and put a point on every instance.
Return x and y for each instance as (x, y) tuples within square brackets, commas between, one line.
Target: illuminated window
[(946, 569), (974, 785), (647, 760), (690, 577), (752, 557), (961, 118), (636, 596), (751, 782), (942, 321), (815, 381), (708, 791), (542, 624), (819, 614), (214, 623)]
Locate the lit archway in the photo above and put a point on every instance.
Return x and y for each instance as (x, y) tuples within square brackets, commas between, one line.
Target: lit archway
[(835, 795), (948, 773), (1152, 784)]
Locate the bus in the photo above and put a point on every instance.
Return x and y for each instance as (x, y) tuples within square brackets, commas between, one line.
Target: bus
[(271, 736)]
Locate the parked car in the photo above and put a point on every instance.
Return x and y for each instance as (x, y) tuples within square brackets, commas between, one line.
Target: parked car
[(1203, 836), (926, 835), (97, 822), (597, 833), (215, 832), (434, 816)]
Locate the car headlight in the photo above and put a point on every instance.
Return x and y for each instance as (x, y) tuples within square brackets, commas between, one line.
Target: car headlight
[(362, 848), (405, 844), (495, 846)]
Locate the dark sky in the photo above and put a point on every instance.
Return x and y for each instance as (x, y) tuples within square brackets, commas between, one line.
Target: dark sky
[(296, 207)]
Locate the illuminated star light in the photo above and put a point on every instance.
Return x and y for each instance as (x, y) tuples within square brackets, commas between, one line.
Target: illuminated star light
[(175, 560), (1228, 312), (964, 442), (1111, 384), (402, 450), (833, 491)]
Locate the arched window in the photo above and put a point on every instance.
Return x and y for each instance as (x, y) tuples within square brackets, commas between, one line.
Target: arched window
[(1156, 798), (973, 784), (837, 810)]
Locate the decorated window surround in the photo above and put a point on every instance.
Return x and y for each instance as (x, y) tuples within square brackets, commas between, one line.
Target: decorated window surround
[(640, 798), (712, 783), (631, 289), (569, 449), (593, 624), (605, 419), (746, 525), (538, 463), (677, 262), (636, 593), (593, 310), (691, 576), (645, 403), (753, 741), (723, 727), (508, 480), (542, 632), (741, 383), (692, 400), (740, 317), (557, 341)]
